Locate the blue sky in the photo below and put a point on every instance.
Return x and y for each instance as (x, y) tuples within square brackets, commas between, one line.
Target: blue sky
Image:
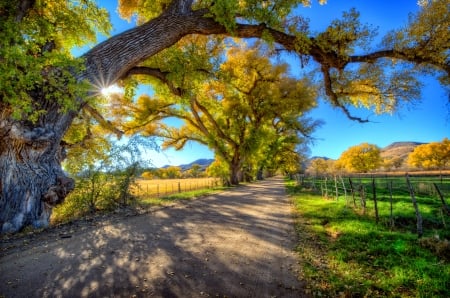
[(426, 121)]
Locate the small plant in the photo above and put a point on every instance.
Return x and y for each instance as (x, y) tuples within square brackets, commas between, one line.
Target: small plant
[(103, 185)]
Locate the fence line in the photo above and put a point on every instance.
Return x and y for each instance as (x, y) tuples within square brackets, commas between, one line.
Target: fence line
[(163, 188), (427, 194)]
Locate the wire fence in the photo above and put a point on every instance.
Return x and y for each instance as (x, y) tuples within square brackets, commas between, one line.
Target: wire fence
[(164, 187), (393, 200)]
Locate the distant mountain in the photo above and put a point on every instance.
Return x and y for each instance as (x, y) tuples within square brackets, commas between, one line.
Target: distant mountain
[(203, 162), (397, 145), (317, 157), (399, 151)]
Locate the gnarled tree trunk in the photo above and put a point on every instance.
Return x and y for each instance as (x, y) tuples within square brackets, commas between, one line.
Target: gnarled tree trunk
[(31, 178)]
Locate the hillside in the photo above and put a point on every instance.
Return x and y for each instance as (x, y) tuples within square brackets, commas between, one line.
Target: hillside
[(399, 151), (203, 162)]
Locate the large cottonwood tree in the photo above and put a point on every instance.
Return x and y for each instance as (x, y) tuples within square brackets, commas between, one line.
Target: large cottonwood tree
[(41, 85), (245, 108)]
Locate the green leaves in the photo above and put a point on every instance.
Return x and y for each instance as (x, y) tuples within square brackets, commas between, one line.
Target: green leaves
[(37, 67), (344, 35)]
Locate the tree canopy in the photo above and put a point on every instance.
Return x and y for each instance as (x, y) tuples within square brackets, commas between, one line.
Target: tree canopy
[(434, 155), (361, 158)]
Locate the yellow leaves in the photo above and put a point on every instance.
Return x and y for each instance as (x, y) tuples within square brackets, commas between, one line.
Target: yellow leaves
[(127, 8), (361, 158), (143, 9), (434, 155)]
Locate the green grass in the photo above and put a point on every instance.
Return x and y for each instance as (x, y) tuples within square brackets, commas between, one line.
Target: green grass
[(345, 253)]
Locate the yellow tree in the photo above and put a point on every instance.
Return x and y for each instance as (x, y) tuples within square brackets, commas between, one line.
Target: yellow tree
[(318, 166), (361, 158), (245, 108), (434, 155)]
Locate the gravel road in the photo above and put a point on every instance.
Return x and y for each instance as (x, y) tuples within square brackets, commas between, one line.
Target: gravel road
[(238, 243)]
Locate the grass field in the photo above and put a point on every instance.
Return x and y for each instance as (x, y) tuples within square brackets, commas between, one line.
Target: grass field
[(389, 200), (345, 253), (163, 187)]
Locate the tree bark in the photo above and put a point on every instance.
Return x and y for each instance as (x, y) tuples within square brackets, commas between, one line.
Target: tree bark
[(31, 178), (235, 168)]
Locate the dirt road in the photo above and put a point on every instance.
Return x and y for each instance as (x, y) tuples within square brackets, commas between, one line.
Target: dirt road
[(234, 244)]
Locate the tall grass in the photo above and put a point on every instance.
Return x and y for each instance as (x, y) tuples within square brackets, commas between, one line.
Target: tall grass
[(345, 253)]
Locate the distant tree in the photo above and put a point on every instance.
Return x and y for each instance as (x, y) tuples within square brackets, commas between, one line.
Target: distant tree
[(318, 166), (240, 107), (435, 155), (172, 172), (195, 170), (361, 158), (392, 163), (148, 175)]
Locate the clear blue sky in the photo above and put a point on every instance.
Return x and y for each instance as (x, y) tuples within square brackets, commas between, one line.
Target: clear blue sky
[(425, 121)]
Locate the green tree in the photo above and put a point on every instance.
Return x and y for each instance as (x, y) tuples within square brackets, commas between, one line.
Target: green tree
[(361, 158), (43, 88), (434, 155), (219, 169)]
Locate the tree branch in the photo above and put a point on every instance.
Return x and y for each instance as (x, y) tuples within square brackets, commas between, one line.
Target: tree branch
[(22, 9), (156, 73), (334, 98), (114, 58), (102, 121)]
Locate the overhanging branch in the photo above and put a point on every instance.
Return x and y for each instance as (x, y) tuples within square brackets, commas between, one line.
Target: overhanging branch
[(102, 121), (156, 73), (334, 98)]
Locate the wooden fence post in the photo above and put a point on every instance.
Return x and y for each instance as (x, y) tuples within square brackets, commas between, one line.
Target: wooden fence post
[(336, 188), (444, 205), (179, 187), (391, 216), (363, 198), (352, 189), (375, 203), (416, 208), (343, 186)]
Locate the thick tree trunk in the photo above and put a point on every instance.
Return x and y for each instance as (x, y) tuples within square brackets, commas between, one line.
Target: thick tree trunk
[(235, 175), (31, 178), (236, 168)]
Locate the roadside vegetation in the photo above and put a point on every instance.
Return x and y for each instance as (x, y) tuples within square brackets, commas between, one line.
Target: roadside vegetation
[(345, 253), (101, 193)]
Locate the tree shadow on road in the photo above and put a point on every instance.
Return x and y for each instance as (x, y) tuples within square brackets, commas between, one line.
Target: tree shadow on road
[(235, 244)]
